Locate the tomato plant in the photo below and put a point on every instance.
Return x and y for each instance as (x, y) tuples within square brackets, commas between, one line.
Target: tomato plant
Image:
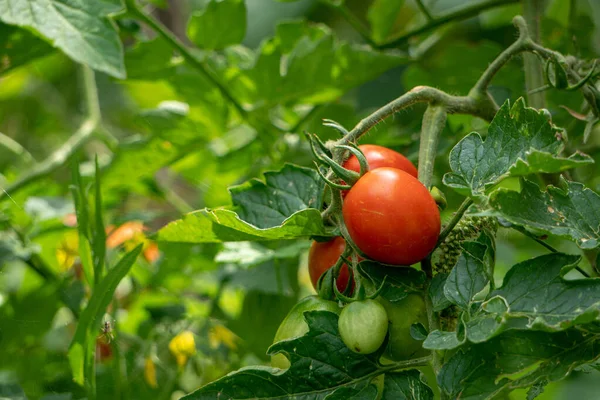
[(363, 326), (324, 255), (392, 217)]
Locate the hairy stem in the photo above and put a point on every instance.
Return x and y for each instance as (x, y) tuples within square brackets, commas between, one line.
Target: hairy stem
[(81, 137), (425, 11), (434, 121), (534, 74), (15, 148)]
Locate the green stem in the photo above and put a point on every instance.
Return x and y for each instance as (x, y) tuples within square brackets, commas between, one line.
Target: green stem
[(534, 74), (434, 121), (185, 52), (434, 324), (81, 137), (458, 15), (15, 148), (455, 219)]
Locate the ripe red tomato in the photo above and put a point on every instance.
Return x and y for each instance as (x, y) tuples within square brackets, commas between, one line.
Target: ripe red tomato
[(324, 255), (378, 157), (392, 217)]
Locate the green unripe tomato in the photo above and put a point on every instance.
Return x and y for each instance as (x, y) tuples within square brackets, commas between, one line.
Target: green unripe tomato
[(363, 326), (294, 325), (402, 314)]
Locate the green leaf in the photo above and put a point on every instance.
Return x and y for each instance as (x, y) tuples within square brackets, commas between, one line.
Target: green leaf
[(306, 64), (45, 208), (477, 164), (436, 292), (405, 385), (399, 281), (515, 359), (541, 162), (469, 276), (220, 24), (382, 15), (572, 213), (81, 29), (284, 192), (91, 316), (250, 254), (536, 293), (221, 225), (285, 206), (19, 47), (149, 60), (321, 366), (442, 340)]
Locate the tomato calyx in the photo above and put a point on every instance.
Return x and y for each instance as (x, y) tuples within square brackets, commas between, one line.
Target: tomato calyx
[(322, 157)]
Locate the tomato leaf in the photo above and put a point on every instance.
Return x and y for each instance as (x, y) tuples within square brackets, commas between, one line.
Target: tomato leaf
[(307, 64), (515, 359), (436, 291), (284, 192), (513, 134), (572, 213), (218, 25), (399, 282), (405, 385), (285, 206), (541, 162), (469, 276), (81, 29)]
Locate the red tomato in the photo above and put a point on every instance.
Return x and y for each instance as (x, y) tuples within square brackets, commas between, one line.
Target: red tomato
[(324, 255), (378, 157), (392, 217)]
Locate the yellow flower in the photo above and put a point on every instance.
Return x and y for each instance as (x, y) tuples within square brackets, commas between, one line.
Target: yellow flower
[(150, 372), (182, 347), (219, 334), (68, 250)]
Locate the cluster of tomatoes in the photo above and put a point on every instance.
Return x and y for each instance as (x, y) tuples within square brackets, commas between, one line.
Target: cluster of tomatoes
[(393, 219)]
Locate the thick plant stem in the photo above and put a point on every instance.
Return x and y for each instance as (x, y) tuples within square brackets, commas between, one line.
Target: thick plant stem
[(434, 121), (534, 74), (81, 137)]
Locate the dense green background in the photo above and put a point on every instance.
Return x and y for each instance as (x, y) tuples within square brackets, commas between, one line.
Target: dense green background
[(170, 143)]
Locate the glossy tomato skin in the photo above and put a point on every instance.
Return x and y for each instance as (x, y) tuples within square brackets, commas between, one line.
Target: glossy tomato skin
[(401, 315), (324, 255), (392, 217), (378, 157), (363, 326), (294, 325)]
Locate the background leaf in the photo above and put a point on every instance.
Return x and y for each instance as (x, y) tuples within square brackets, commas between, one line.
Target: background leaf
[(80, 29), (219, 24)]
